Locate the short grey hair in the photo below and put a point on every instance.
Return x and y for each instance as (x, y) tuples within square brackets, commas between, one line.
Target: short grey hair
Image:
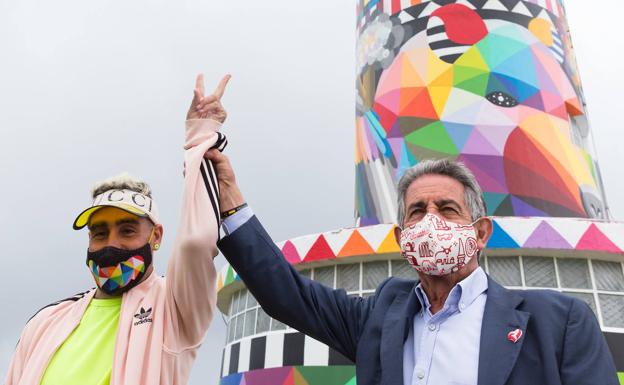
[(473, 196), (123, 181)]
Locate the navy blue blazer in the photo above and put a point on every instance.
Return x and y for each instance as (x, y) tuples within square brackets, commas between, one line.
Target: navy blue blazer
[(562, 341)]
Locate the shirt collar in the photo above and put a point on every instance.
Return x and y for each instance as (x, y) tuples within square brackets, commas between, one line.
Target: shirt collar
[(463, 293)]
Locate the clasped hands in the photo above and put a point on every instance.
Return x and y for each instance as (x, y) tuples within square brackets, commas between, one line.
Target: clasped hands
[(210, 107)]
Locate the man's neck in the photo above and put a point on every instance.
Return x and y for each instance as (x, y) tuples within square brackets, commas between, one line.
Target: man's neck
[(438, 288)]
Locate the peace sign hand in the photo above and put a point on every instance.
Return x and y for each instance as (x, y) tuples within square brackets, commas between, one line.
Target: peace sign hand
[(208, 107)]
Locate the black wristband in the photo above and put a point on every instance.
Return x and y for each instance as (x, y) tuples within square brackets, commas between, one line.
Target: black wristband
[(233, 211)]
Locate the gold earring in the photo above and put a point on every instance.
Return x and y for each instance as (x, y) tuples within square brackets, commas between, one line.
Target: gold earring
[(156, 246)]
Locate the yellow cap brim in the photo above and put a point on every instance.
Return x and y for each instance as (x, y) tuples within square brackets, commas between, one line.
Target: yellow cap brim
[(82, 219)]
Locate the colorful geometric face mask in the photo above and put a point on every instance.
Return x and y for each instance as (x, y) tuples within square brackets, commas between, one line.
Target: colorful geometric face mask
[(117, 270), (436, 247)]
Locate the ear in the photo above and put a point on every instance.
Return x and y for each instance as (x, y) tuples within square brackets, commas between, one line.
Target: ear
[(397, 235), (158, 236), (484, 229)]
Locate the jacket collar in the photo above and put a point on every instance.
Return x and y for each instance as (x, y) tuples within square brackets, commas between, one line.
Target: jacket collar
[(497, 354)]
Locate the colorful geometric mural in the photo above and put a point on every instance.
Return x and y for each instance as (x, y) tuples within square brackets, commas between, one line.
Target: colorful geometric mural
[(294, 375), (580, 235), (492, 83)]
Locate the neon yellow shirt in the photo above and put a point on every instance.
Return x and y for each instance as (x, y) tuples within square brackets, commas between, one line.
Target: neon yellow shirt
[(86, 357)]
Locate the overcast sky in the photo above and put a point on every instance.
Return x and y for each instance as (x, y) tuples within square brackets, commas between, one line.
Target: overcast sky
[(90, 89)]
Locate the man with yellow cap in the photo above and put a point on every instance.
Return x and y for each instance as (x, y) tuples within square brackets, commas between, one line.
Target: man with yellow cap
[(136, 327)]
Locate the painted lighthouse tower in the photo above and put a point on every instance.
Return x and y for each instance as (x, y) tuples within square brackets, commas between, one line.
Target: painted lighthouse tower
[(494, 84)]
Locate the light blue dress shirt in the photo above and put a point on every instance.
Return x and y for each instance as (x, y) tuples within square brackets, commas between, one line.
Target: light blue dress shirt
[(443, 348), (236, 220), (447, 342)]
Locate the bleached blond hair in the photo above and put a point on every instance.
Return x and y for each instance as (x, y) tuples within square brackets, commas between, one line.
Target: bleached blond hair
[(123, 181)]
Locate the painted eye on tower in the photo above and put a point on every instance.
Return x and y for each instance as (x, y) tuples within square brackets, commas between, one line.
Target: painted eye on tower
[(501, 99)]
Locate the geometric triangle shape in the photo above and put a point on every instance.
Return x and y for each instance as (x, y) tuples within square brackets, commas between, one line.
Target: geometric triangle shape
[(470, 60), (519, 229), (520, 89), (522, 9), (535, 101), (477, 144), (495, 5), (509, 4), (504, 208), (500, 239), (614, 231), (534, 9), (356, 245), (433, 137), (493, 200), (523, 209), (304, 243), (290, 253), (385, 117), (477, 85), (496, 135), (546, 237), (496, 47), (459, 133), (595, 240), (417, 102), (320, 250), (374, 235), (290, 379), (389, 244), (337, 239), (489, 171), (298, 378), (439, 98)]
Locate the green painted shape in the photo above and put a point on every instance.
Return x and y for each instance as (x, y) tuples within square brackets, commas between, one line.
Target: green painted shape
[(352, 381), (462, 74), (590, 164), (621, 378), (229, 277), (327, 375), (477, 85), (493, 200), (433, 137)]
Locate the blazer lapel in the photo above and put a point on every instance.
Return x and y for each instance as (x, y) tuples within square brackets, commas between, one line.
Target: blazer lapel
[(498, 354), (395, 330)]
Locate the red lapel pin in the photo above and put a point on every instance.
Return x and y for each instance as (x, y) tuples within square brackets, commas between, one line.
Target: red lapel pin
[(514, 335)]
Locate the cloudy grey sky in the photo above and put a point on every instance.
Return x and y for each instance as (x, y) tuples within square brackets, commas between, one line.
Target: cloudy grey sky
[(89, 89)]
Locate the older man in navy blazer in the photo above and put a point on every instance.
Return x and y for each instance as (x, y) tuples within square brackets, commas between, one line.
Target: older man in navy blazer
[(452, 325)]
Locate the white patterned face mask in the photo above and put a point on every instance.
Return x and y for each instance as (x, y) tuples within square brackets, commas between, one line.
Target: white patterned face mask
[(436, 247)]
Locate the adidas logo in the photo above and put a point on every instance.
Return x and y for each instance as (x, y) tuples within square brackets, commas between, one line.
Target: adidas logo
[(143, 316)]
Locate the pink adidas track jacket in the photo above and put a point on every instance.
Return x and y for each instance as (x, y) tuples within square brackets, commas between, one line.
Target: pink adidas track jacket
[(158, 348)]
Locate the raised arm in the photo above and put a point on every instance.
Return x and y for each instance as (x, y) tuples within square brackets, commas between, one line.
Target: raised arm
[(327, 315), (191, 275)]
